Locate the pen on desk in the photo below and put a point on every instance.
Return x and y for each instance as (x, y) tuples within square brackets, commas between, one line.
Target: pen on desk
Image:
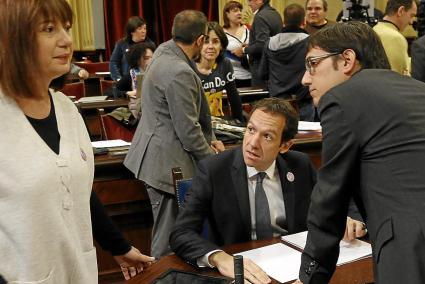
[(238, 268)]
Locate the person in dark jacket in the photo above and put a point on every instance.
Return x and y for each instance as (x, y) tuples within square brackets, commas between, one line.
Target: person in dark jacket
[(135, 32), (282, 62), (267, 23)]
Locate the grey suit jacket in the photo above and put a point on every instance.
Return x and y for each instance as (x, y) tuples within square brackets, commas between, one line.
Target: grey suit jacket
[(175, 127)]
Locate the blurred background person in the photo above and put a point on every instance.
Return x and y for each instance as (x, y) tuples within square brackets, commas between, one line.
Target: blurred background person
[(138, 57), (135, 32), (216, 73), (399, 14), (238, 36), (418, 59), (316, 11), (282, 63), (267, 23), (47, 163), (78, 71)]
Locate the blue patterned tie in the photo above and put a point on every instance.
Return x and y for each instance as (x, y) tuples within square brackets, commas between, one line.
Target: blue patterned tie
[(263, 225)]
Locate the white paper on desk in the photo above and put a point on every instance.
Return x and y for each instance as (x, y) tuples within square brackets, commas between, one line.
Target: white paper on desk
[(109, 143), (92, 99), (308, 125), (103, 73), (348, 252), (278, 261)]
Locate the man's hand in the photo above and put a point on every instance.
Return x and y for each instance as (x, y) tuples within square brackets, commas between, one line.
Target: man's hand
[(133, 262), (83, 74), (354, 229), (252, 272), (238, 51), (217, 146), (297, 282)]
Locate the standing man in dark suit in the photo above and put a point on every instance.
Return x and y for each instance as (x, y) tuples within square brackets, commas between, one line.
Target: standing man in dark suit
[(224, 191), (267, 23), (175, 127), (373, 124)]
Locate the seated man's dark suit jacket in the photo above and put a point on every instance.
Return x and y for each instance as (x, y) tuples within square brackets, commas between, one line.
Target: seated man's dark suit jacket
[(220, 194)]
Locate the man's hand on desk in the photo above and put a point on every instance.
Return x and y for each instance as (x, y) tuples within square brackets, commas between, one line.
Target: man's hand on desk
[(133, 262), (252, 272), (354, 229), (217, 146)]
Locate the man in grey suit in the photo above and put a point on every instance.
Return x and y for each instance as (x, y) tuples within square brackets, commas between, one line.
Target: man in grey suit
[(175, 127), (373, 150)]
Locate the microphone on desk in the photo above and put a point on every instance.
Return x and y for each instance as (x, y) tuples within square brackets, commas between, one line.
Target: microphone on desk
[(238, 268)]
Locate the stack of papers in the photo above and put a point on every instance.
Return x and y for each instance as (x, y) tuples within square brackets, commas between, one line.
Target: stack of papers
[(114, 147), (110, 143), (278, 261), (92, 99), (348, 251), (308, 125)]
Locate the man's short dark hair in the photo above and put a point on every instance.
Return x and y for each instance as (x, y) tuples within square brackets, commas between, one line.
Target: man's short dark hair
[(393, 6), (280, 107), (356, 36), (188, 25), (293, 15), (132, 24), (324, 3)]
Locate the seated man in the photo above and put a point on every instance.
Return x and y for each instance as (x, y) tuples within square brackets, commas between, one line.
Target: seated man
[(248, 193)]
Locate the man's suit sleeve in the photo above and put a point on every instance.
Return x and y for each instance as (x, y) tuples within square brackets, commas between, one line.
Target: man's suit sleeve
[(182, 94), (263, 70), (418, 60), (330, 198), (262, 34), (185, 239)]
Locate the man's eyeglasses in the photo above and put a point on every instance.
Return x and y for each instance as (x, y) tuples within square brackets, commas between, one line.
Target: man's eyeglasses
[(312, 62)]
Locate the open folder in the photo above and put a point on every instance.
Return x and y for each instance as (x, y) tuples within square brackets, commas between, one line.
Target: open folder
[(348, 251), (282, 262)]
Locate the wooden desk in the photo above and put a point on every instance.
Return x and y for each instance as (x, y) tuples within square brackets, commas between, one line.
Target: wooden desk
[(356, 272), (90, 115), (310, 142), (127, 202)]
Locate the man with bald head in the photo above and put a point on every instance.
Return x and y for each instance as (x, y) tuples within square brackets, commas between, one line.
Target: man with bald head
[(316, 15), (398, 15)]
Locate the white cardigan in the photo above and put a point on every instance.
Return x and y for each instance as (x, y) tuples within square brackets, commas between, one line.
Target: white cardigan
[(45, 226)]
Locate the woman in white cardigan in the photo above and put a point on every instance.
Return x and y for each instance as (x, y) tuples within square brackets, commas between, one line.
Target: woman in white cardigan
[(46, 164)]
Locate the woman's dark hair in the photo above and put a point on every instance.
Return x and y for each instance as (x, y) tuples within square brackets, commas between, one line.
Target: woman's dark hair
[(227, 8), (132, 24), (20, 21), (214, 26), (137, 51), (356, 36)]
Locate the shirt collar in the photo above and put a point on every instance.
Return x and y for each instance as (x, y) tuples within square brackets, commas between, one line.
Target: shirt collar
[(251, 171)]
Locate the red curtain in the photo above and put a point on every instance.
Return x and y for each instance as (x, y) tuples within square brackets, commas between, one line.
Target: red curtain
[(158, 14)]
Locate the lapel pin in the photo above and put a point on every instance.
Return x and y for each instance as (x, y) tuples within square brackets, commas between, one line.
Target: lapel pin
[(290, 176)]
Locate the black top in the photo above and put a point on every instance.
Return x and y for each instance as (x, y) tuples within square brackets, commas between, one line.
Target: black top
[(221, 78), (104, 230)]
